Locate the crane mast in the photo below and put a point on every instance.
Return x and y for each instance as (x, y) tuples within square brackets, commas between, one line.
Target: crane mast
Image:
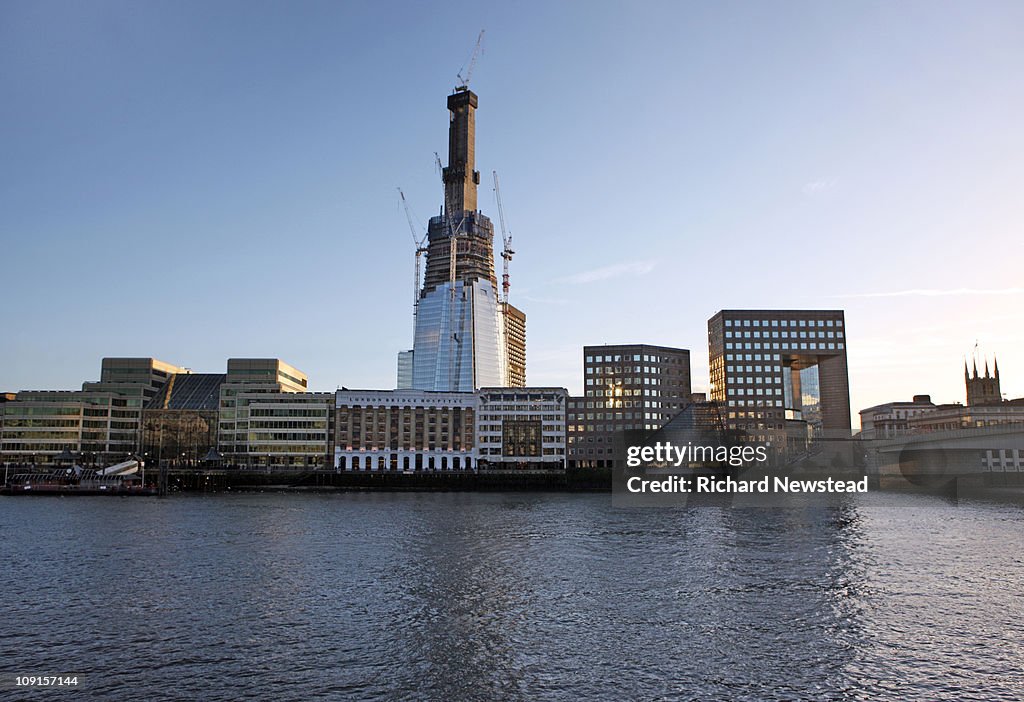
[(506, 238), (421, 249)]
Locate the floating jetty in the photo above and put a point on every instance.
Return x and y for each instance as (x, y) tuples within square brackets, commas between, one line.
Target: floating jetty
[(119, 479)]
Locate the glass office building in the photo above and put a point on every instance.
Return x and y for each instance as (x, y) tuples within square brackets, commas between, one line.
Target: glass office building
[(459, 338)]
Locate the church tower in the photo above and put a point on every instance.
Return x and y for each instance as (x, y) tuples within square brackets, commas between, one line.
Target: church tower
[(983, 390)]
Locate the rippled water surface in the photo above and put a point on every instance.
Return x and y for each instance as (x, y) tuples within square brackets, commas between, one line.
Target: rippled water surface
[(513, 596)]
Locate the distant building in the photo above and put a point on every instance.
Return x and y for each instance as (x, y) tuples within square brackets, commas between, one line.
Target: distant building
[(101, 423), (781, 375), (522, 428), (269, 420), (629, 390), (985, 407), (180, 422), (405, 370), (404, 430), (515, 344), (461, 322), (892, 419), (502, 428), (983, 390), (957, 416), (972, 435), (4, 398)]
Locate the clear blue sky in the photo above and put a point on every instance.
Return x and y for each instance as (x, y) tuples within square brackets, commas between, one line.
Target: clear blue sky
[(195, 181)]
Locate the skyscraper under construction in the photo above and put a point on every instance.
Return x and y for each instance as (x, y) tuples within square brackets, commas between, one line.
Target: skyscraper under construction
[(466, 335)]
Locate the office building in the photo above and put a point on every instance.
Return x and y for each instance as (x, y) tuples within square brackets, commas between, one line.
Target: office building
[(282, 430), (179, 425), (404, 370), (629, 391), (268, 419), (521, 428), (781, 375), (515, 344), (100, 424), (5, 397)]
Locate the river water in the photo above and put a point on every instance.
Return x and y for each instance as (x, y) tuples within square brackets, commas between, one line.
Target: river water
[(471, 596)]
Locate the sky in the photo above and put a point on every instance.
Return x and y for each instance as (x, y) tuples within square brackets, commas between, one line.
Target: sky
[(196, 181)]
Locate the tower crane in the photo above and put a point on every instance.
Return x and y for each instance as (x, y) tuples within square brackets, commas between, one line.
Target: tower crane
[(463, 81), (419, 244), (506, 238)]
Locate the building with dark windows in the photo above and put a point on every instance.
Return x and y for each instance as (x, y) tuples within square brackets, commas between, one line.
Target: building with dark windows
[(521, 428), (629, 391), (780, 375), (179, 425)]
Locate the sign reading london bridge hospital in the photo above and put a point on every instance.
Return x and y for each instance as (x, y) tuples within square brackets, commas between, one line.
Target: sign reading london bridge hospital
[(670, 474)]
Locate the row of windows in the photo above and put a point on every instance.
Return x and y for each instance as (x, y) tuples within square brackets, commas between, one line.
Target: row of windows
[(497, 427), (16, 410), (784, 335), (31, 434), (10, 423), (602, 404), (619, 416), (309, 424), (497, 452), (645, 358), (751, 391), (753, 357), (498, 439), (755, 380), (287, 436), (520, 397), (618, 370), (293, 449), (783, 323), (499, 417), (754, 369), (654, 422), (627, 381), (802, 346)]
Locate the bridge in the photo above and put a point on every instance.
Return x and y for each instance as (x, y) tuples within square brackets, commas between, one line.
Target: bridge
[(947, 454)]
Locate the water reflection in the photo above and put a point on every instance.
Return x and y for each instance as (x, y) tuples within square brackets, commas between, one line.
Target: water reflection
[(490, 596)]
